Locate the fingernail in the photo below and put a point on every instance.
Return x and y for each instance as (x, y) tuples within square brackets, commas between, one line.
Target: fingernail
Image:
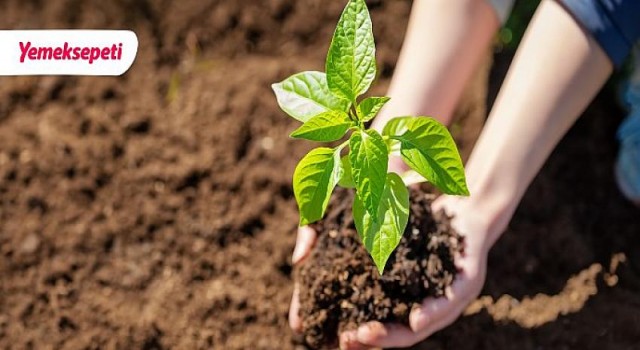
[(368, 333), (364, 333), (298, 253), (347, 339), (421, 319), (294, 318)]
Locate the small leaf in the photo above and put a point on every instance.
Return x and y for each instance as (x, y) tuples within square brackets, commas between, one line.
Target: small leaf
[(428, 148), (381, 236), (314, 179), (368, 156), (351, 61), (346, 180), (325, 127), (370, 107), (305, 95), (395, 127)]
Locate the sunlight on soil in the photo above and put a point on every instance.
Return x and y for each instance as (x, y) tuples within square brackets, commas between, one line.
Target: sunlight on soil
[(531, 312)]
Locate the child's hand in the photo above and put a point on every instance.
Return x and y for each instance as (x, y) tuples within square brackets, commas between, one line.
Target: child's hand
[(434, 313), (304, 242)]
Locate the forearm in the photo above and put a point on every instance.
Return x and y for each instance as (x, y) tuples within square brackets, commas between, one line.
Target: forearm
[(557, 71), (445, 41)]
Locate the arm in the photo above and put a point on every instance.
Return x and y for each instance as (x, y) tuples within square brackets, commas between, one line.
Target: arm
[(558, 70), (556, 73), (444, 43)]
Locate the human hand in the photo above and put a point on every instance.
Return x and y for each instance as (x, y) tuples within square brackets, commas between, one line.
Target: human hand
[(305, 240), (435, 313)]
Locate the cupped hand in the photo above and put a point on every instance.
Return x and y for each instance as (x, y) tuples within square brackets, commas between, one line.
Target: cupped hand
[(434, 314), (305, 240)]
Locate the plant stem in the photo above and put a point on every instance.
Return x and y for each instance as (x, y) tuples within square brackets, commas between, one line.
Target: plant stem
[(342, 145)]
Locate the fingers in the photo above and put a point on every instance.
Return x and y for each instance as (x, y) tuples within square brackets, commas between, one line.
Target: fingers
[(304, 242), (437, 313), (295, 322), (376, 334), (433, 310), (433, 315), (349, 341), (428, 313), (446, 320), (445, 203)]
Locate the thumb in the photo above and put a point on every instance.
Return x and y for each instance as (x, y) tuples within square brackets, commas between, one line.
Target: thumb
[(444, 202), (304, 242)]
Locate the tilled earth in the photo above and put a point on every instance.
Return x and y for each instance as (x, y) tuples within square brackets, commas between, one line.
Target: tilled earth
[(154, 210)]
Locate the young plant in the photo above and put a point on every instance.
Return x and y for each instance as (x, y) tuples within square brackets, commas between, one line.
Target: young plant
[(328, 106)]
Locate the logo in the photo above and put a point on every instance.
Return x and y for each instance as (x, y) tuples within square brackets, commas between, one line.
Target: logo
[(67, 52)]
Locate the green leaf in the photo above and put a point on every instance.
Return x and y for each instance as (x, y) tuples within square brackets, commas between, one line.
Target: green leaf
[(351, 61), (428, 148), (370, 106), (305, 95), (368, 156), (394, 127), (381, 236), (314, 179), (325, 127), (346, 180)]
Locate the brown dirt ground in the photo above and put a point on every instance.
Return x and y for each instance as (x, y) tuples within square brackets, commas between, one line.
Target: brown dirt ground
[(154, 210)]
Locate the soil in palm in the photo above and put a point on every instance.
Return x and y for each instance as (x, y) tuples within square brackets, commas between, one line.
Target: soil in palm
[(340, 286)]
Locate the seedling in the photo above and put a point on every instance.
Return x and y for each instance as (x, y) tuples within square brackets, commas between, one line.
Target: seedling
[(328, 105)]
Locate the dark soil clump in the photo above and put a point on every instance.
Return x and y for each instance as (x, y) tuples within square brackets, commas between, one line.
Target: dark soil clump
[(340, 286)]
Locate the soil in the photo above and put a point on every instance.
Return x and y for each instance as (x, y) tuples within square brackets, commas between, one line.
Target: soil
[(154, 210), (340, 286)]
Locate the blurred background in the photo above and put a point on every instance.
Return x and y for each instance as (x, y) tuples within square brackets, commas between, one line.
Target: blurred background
[(155, 211)]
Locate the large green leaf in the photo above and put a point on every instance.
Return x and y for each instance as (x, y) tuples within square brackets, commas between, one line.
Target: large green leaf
[(428, 148), (368, 156), (325, 127), (305, 95), (370, 106), (314, 179), (382, 235), (351, 61)]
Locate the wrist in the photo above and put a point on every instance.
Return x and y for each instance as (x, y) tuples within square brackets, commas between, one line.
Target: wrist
[(491, 208)]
